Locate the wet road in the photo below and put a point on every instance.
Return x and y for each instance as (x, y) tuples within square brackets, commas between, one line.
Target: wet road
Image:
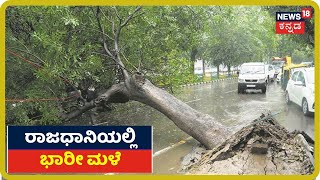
[(221, 100), (218, 99)]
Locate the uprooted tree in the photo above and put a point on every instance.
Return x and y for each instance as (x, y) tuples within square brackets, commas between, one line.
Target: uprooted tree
[(136, 87), (72, 51), (129, 85)]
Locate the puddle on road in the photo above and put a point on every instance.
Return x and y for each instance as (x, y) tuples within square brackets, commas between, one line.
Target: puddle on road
[(169, 161)]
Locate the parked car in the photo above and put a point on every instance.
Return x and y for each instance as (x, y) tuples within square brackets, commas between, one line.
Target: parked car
[(270, 73), (300, 89), (252, 76)]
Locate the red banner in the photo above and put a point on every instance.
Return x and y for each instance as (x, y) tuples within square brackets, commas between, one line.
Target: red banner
[(79, 161), (290, 27)]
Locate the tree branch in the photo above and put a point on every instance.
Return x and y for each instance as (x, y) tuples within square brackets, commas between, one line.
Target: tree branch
[(117, 64), (116, 41), (116, 57), (105, 46), (28, 52), (117, 14), (123, 25), (78, 112), (129, 62), (116, 88), (130, 17)]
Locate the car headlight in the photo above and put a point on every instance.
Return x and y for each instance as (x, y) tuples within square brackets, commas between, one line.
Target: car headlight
[(240, 80), (261, 80)]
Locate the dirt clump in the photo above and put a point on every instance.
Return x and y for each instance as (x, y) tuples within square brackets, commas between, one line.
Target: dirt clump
[(263, 147)]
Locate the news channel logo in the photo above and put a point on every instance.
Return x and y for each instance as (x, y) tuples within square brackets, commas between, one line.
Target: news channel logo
[(292, 22)]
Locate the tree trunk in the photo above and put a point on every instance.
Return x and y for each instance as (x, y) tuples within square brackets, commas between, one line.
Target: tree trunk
[(229, 69), (218, 71), (193, 54), (200, 126), (203, 68)]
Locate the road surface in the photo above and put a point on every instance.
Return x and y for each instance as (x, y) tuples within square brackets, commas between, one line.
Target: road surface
[(218, 99)]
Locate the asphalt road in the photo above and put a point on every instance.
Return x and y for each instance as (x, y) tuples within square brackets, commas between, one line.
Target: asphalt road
[(221, 101), (234, 110)]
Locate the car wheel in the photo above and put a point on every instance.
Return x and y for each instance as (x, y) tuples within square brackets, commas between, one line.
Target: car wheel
[(287, 98), (305, 108), (264, 89), (242, 91), (239, 90)]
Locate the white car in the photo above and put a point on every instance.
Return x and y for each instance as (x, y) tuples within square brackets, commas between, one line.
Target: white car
[(252, 76), (300, 89), (270, 73)]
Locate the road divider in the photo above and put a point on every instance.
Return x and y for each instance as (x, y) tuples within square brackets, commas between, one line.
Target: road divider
[(206, 82)]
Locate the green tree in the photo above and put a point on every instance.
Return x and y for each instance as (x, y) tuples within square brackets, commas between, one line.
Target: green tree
[(236, 35)]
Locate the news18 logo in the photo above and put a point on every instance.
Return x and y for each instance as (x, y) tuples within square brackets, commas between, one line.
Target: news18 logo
[(292, 22)]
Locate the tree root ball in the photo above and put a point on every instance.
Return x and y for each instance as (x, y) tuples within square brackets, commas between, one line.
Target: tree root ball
[(263, 147)]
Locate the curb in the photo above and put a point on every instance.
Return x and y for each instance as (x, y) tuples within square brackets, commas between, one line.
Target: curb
[(206, 82)]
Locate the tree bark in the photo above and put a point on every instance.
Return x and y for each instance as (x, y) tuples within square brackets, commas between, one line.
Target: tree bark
[(200, 126), (193, 55), (218, 71), (203, 68)]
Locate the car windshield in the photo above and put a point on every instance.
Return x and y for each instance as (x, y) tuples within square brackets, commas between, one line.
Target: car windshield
[(310, 76), (253, 69)]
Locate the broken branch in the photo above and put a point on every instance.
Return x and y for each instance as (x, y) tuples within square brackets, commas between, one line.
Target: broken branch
[(116, 88)]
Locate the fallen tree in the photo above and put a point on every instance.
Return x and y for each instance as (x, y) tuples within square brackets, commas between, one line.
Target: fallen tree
[(263, 147), (136, 87)]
